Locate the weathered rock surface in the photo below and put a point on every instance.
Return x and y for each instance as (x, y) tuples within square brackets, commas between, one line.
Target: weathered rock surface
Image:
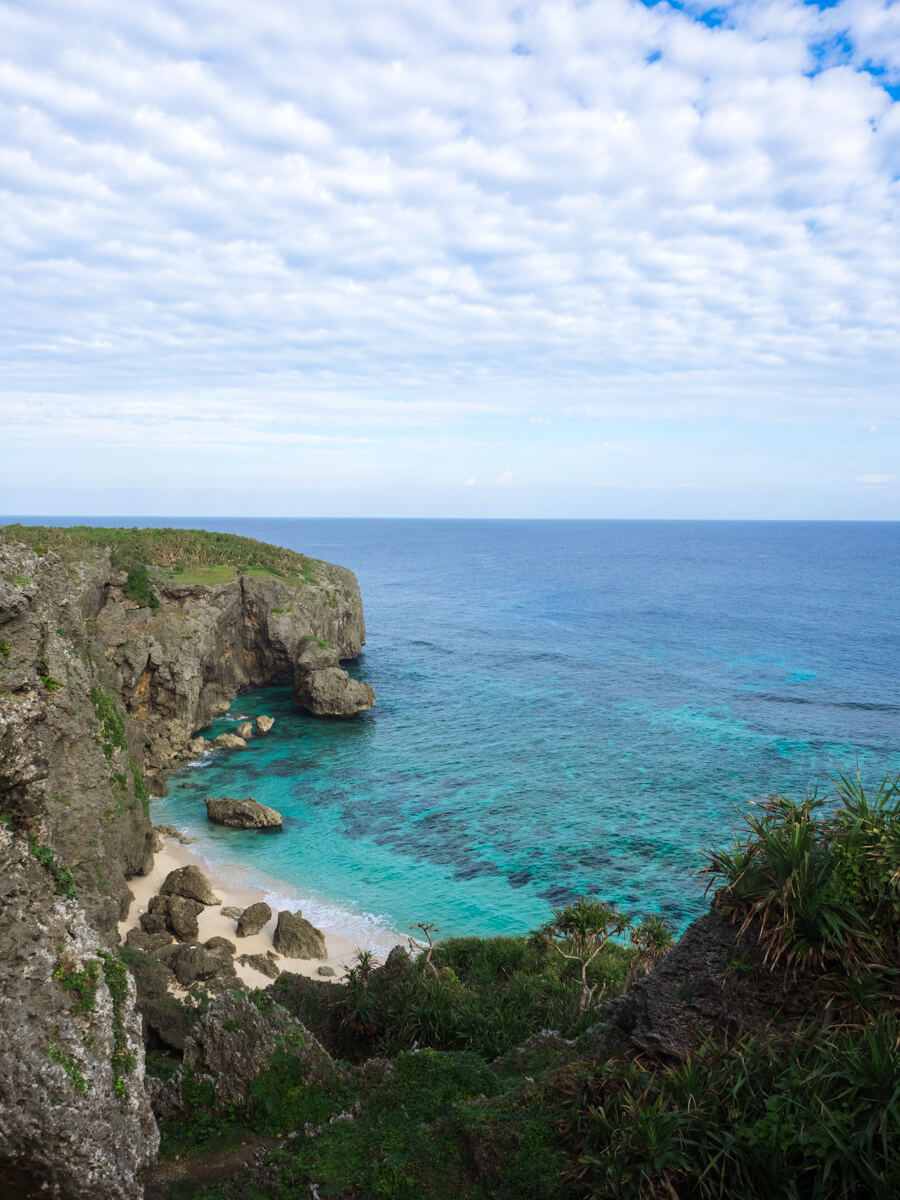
[(232, 911), (266, 964), (229, 741), (99, 693), (323, 688), (231, 1044), (264, 724), (241, 814), (61, 1123), (691, 993), (295, 937), (191, 883), (252, 919), (245, 730), (174, 913)]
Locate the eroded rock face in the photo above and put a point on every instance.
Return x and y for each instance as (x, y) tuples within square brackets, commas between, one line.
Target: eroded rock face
[(191, 883), (693, 993), (295, 937), (324, 688), (173, 913), (61, 1123), (252, 919), (232, 1043), (241, 814)]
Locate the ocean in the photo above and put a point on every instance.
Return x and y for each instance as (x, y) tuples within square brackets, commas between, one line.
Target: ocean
[(563, 707)]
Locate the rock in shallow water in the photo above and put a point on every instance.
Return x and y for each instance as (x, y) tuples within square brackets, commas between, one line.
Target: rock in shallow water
[(229, 741), (241, 814), (264, 724), (295, 937)]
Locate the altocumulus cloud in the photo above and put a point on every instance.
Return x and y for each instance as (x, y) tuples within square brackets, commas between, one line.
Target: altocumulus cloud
[(351, 226)]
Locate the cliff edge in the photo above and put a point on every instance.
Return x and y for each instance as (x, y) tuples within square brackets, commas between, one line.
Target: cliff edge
[(116, 647)]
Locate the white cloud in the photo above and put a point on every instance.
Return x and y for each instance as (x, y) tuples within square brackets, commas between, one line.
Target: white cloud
[(504, 478), (875, 479), (377, 218), (471, 481)]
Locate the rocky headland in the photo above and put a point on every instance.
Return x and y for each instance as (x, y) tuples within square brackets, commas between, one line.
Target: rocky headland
[(116, 648)]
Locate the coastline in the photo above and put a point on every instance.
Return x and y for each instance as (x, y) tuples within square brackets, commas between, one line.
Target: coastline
[(213, 922)]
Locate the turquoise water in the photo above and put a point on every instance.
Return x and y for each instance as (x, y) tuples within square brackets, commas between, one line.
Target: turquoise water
[(563, 707)]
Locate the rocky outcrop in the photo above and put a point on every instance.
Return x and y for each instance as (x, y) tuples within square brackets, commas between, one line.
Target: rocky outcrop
[(253, 919), (69, 1121), (295, 937), (191, 883), (264, 724), (323, 688), (241, 814), (100, 693), (713, 981), (174, 914), (232, 1044), (266, 964)]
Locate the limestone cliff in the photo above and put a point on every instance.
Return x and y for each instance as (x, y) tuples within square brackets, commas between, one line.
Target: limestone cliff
[(100, 690)]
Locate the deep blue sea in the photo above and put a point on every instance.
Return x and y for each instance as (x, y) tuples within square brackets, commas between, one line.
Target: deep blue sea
[(562, 707)]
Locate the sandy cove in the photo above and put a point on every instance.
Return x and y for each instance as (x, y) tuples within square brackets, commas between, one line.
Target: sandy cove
[(213, 922)]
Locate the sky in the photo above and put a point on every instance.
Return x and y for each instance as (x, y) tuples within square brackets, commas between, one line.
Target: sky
[(463, 258)]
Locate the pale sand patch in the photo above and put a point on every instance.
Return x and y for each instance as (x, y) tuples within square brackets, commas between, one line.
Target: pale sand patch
[(213, 923)]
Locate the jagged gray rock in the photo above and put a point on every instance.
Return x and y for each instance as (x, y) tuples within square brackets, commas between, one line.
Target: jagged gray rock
[(241, 814), (191, 883), (295, 937), (61, 1123), (252, 919), (266, 964), (232, 1043), (177, 914)]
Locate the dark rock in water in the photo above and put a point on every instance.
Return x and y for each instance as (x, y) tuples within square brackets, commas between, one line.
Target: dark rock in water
[(267, 963), (191, 883), (252, 919), (324, 688), (241, 814), (178, 914), (295, 937)]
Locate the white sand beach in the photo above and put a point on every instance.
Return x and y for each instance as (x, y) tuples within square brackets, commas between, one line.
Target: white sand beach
[(214, 923)]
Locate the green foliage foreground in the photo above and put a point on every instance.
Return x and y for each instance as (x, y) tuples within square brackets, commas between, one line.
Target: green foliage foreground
[(444, 1086)]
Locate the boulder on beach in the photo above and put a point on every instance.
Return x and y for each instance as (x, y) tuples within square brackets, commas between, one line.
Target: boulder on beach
[(295, 937), (232, 911), (229, 741), (241, 814), (245, 730), (176, 914), (252, 919), (191, 883), (264, 724)]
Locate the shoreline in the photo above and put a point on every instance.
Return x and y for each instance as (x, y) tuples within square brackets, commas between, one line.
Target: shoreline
[(213, 922)]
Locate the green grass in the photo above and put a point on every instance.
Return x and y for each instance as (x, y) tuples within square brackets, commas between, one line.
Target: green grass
[(173, 550), (203, 576)]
